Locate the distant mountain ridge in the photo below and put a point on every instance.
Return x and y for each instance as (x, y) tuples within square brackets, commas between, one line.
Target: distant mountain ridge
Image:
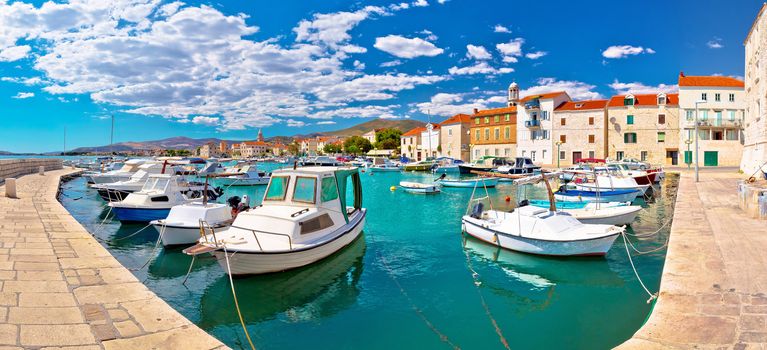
[(187, 143)]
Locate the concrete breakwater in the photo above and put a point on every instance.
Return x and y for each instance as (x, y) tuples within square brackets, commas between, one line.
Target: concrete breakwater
[(19, 167)]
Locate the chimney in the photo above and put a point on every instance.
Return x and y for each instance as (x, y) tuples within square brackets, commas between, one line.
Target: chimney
[(681, 73), (476, 110)]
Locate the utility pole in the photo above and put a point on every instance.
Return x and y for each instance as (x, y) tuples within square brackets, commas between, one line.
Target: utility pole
[(112, 136), (65, 141), (696, 139)]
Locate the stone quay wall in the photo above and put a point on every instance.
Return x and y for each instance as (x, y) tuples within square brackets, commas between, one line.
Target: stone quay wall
[(19, 167)]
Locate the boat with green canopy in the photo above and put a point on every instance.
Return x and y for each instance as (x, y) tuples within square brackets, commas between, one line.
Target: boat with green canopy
[(303, 218)]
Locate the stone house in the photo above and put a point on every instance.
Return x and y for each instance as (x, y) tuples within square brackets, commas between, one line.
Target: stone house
[(644, 127), (454, 138), (755, 120), (494, 132), (578, 131)]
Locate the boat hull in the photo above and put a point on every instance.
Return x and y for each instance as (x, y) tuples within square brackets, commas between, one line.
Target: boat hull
[(225, 181), (417, 167), (112, 195), (592, 247), (618, 217), (648, 179), (247, 263), (466, 169), (593, 188), (139, 214), (588, 196), (384, 170)]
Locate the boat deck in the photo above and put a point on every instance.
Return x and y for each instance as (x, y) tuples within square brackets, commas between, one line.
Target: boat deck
[(713, 291), (61, 288)]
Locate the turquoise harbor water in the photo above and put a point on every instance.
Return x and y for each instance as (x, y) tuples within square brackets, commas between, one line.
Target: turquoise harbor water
[(407, 283)]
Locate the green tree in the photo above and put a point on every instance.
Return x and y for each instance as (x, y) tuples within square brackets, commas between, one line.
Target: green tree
[(293, 148), (357, 145), (388, 138), (331, 148)]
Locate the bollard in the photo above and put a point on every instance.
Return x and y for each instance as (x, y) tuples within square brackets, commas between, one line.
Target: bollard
[(10, 187), (41, 170)]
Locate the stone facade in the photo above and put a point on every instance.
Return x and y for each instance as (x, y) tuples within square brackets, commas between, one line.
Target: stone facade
[(578, 131), (454, 138), (719, 116), (410, 144), (644, 127), (755, 132), (18, 167), (493, 132), (535, 126)]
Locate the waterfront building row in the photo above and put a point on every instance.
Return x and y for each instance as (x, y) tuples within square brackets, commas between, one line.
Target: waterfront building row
[(554, 130)]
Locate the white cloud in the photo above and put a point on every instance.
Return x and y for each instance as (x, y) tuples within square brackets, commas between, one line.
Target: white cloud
[(536, 55), (326, 122), (14, 53), (479, 68), (358, 65), (715, 43), (477, 52), (391, 63), (511, 50), (576, 89), (446, 104), (406, 47), (333, 28), (295, 123), (442, 2), (183, 61), (368, 111), (621, 51), (23, 95), (203, 120), (420, 3), (501, 29), (640, 88), (429, 35)]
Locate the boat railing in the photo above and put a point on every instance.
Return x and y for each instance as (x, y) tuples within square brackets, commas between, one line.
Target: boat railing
[(290, 239), (204, 227)]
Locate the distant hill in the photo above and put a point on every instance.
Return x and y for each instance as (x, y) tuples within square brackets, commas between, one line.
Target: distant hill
[(4, 153), (402, 124), (187, 143)]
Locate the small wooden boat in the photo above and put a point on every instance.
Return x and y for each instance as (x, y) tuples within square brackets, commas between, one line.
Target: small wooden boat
[(470, 183), (424, 165), (417, 187)]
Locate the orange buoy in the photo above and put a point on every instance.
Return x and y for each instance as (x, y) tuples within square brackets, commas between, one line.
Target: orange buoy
[(508, 199)]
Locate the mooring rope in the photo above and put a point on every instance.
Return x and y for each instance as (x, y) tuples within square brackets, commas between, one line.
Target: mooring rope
[(154, 250), (628, 253), (189, 271), (477, 283), (133, 234), (234, 294), (651, 233), (415, 308)]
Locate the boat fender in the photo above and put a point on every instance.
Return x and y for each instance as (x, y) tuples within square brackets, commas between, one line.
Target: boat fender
[(476, 211), (508, 199), (233, 201), (495, 238)]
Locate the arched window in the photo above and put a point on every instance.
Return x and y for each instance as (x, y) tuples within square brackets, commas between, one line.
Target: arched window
[(629, 100), (662, 99)]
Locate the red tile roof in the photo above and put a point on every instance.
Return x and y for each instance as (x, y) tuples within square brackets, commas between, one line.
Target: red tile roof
[(543, 96), (718, 81), (644, 100), (582, 105), (494, 111), (415, 131), (458, 118), (255, 143)]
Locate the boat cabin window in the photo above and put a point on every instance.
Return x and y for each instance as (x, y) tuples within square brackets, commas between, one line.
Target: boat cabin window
[(305, 189), (315, 224), (278, 188), (329, 189)]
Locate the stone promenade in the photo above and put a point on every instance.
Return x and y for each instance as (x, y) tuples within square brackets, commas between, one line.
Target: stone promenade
[(60, 288), (714, 286)]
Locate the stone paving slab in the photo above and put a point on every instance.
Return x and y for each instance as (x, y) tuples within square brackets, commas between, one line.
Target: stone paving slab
[(713, 292), (61, 289)]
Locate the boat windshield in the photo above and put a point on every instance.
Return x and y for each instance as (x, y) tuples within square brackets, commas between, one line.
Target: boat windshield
[(305, 189), (278, 188), (157, 184), (329, 189), (138, 175)]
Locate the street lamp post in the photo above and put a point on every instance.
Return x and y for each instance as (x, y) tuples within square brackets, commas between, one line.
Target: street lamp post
[(688, 142), (559, 143), (696, 139)]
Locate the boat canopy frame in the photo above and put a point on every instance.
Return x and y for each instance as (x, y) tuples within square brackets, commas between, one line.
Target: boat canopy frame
[(341, 176)]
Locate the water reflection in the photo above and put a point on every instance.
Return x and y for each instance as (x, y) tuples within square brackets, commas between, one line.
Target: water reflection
[(310, 293)]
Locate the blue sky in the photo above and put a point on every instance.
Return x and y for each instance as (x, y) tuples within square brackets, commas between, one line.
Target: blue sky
[(228, 68)]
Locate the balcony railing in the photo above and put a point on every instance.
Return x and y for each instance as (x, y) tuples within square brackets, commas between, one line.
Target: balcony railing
[(722, 123), (533, 123), (533, 104)]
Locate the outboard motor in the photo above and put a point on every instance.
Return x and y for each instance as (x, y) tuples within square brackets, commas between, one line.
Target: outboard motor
[(441, 177), (233, 201), (244, 205), (524, 203), (476, 211)]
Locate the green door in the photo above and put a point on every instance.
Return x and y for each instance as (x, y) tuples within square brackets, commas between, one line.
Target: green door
[(710, 158), (688, 157)]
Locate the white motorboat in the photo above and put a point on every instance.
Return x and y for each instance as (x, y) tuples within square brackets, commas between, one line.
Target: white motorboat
[(320, 161), (602, 195), (124, 173), (611, 215), (160, 193), (117, 191), (182, 225), (521, 165), (417, 187), (611, 183), (470, 183), (381, 164), (303, 219), (246, 175), (536, 230)]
